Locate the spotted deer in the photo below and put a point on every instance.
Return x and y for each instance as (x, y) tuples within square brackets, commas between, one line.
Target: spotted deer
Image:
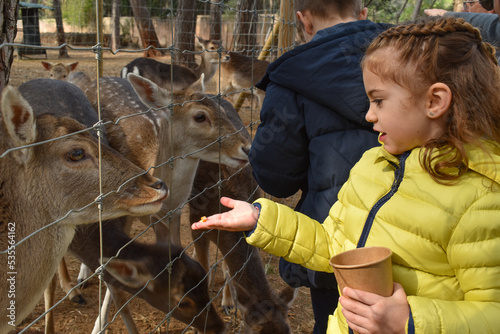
[(246, 283), (49, 184), (178, 77), (59, 71), (240, 73), (172, 140)]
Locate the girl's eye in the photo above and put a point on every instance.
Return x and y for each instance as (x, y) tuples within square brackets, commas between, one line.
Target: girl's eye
[(377, 102), (76, 154)]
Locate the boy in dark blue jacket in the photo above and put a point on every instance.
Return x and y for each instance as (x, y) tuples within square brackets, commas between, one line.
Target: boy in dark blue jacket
[(313, 127)]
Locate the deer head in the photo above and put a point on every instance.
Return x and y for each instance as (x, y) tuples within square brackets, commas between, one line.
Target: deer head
[(59, 71)]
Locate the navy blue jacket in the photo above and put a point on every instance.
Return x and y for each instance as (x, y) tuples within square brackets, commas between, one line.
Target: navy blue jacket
[(313, 127)]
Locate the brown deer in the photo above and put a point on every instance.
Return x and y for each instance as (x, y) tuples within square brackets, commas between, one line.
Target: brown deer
[(178, 77), (66, 72), (195, 128), (240, 73), (172, 141), (263, 311), (59, 71), (49, 183), (162, 274)]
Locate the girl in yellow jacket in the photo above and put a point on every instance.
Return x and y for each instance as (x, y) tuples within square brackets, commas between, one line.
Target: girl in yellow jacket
[(431, 193)]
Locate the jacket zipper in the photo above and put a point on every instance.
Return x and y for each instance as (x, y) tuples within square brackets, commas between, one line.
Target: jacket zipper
[(398, 177)]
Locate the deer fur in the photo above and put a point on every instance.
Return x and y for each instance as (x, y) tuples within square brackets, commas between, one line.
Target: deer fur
[(246, 283), (144, 269), (59, 71), (176, 77), (51, 207), (240, 73), (188, 133), (65, 72), (193, 128)]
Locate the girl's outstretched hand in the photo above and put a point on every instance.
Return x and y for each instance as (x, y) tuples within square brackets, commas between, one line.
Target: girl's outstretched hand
[(242, 217)]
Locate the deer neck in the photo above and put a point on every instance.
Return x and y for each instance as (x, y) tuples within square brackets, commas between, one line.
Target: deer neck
[(177, 170), (36, 258), (207, 67)]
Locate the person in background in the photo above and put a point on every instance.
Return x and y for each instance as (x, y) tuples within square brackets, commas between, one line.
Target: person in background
[(478, 6), (313, 127), (487, 23), (431, 193), (468, 6)]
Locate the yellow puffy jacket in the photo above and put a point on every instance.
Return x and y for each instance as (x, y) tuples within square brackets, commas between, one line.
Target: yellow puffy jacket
[(445, 238)]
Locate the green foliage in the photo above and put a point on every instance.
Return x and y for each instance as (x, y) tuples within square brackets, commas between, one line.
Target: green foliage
[(398, 11), (80, 13)]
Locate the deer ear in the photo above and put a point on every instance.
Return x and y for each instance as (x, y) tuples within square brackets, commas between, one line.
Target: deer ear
[(131, 273), (48, 66), (19, 122), (199, 41), (287, 295), (148, 92), (199, 85), (72, 66)]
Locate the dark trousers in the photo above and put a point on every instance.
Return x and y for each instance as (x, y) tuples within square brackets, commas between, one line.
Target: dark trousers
[(324, 303)]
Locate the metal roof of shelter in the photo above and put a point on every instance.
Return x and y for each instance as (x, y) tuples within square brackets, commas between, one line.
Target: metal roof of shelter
[(33, 5)]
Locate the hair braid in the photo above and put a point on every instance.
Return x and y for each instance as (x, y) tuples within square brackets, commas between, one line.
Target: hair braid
[(437, 27)]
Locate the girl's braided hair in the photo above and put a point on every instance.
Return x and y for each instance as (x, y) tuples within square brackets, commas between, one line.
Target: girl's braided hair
[(450, 51)]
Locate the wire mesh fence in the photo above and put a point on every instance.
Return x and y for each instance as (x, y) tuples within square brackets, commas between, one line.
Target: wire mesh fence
[(146, 261)]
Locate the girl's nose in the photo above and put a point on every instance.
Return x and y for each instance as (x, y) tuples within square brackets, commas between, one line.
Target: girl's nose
[(370, 116)]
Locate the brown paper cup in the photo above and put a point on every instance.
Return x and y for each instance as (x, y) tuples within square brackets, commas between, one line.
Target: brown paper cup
[(368, 269)]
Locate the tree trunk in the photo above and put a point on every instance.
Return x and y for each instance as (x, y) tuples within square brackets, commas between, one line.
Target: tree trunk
[(8, 24), (245, 26), (146, 28), (400, 11), (61, 38), (185, 29), (215, 22), (115, 35), (416, 11)]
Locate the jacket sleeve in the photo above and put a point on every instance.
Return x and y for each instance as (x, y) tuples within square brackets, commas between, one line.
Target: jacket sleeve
[(286, 233), (474, 254), (279, 154), (488, 24)]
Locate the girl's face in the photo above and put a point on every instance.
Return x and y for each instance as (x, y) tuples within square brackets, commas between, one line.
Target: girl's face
[(402, 121)]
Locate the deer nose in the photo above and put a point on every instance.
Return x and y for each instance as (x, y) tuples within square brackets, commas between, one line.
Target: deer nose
[(246, 150), (158, 185)]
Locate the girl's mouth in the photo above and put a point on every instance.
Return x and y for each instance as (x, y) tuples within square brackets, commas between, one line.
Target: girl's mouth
[(381, 137)]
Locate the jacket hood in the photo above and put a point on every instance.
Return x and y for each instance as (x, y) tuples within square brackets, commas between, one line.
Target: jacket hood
[(328, 68)]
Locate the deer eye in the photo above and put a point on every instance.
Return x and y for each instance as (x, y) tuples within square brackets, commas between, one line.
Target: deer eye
[(76, 154), (200, 118), (184, 304)]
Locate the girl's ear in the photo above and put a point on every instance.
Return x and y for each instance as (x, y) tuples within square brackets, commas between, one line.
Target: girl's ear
[(438, 100)]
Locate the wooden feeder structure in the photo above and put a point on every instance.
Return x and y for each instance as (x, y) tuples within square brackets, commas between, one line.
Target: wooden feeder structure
[(31, 30)]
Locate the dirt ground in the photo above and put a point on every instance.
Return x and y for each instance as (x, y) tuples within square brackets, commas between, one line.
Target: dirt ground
[(73, 318)]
